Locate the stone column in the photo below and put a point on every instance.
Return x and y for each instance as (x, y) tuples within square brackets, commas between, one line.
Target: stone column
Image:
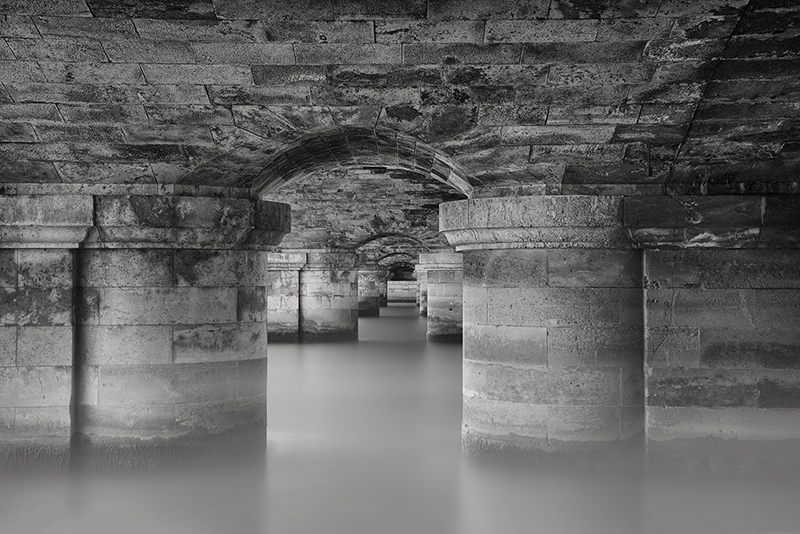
[(283, 296), (370, 278), (443, 273), (383, 288), (168, 347), (38, 238), (722, 305), (329, 297), (552, 329), (422, 290)]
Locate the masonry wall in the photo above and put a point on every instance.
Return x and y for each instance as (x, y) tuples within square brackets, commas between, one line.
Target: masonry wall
[(723, 358), (36, 348), (402, 290)]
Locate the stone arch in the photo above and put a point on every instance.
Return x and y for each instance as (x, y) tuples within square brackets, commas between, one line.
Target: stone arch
[(352, 147)]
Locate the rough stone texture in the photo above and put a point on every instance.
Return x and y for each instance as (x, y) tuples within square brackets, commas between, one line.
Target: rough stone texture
[(162, 357), (643, 96), (283, 296), (553, 354), (443, 295), (401, 290), (36, 357), (722, 357), (370, 281), (329, 297)]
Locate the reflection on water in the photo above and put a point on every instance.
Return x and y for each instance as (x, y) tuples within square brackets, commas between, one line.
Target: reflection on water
[(364, 438)]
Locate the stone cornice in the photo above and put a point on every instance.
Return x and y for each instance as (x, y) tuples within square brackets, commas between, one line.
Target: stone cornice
[(127, 221), (577, 221)]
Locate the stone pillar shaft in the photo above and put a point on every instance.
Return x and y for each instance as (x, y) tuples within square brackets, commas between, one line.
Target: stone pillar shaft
[(162, 357), (370, 280), (329, 297), (283, 296), (444, 279)]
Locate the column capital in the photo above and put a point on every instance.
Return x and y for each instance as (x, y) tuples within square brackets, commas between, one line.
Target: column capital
[(582, 221), (140, 221)]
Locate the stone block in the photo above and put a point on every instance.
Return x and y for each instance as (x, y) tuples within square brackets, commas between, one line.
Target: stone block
[(180, 305), (706, 388), (506, 344), (18, 26), (540, 31), (555, 307), (494, 416), (126, 345), (21, 71), (481, 10), (762, 348), (197, 74), (159, 384), (141, 421), (505, 268), (288, 74), (252, 378), (213, 343), (718, 211), (673, 347), (45, 268), (104, 113), (142, 51), (612, 55), (201, 30), (634, 29), (251, 304), (583, 423), (583, 345), (258, 95), (322, 54), (40, 346), (32, 113), (294, 31), (97, 73), (35, 306), (87, 27), (565, 386), (413, 31), (191, 114), (699, 308), (127, 268), (8, 346), (35, 386), (243, 53), (773, 308), (6, 423), (57, 49), (673, 8), (277, 10), (324, 321), (600, 74), (42, 422), (181, 9), (220, 417), (8, 268), (594, 268), (451, 54), (80, 133), (557, 135)]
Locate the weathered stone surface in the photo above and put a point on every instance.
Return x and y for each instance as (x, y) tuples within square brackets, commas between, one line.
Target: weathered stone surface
[(185, 305), (40, 346), (126, 345)]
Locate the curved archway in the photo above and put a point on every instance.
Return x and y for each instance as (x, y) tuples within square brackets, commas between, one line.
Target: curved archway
[(352, 147)]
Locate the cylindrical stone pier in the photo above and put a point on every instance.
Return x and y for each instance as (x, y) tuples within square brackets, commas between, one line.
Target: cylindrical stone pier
[(166, 361), (370, 279), (283, 296), (329, 297), (552, 329), (422, 290), (444, 277)]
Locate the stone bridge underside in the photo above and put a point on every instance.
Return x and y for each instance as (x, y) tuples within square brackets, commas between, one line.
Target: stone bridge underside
[(620, 176)]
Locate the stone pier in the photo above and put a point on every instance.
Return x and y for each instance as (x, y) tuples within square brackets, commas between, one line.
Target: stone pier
[(443, 273), (573, 310), (371, 279), (329, 297), (283, 296), (422, 290), (138, 328)]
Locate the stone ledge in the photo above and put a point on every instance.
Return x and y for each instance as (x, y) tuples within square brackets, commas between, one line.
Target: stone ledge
[(65, 221), (579, 221)]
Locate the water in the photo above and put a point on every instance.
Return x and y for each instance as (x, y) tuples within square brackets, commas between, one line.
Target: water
[(364, 438)]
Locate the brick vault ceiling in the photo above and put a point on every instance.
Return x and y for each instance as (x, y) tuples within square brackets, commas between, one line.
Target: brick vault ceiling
[(574, 96)]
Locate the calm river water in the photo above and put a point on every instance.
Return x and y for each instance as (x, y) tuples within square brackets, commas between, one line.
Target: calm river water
[(364, 438)]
